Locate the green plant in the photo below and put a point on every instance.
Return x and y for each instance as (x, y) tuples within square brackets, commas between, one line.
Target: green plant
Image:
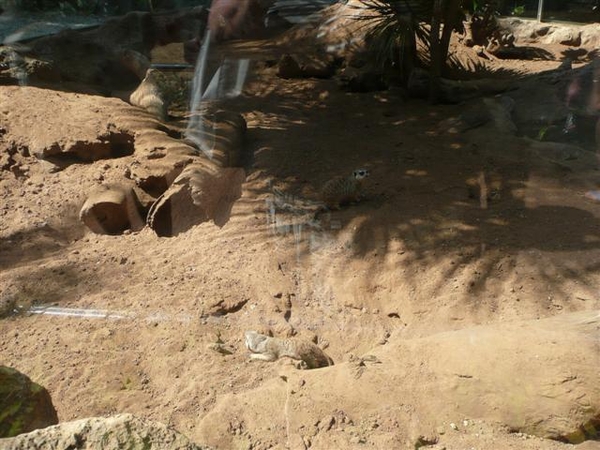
[(397, 25), (393, 23), (518, 10), (542, 133)]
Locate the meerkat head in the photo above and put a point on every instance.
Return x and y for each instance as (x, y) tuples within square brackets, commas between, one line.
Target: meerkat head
[(360, 174)]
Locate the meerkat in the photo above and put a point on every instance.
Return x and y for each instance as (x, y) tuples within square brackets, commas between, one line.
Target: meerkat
[(342, 190), (150, 96), (268, 348)]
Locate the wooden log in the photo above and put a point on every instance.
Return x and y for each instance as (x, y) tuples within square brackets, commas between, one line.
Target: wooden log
[(199, 194), (112, 209)]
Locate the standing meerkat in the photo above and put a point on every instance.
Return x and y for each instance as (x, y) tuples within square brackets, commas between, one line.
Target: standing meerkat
[(342, 190), (150, 95), (268, 348)]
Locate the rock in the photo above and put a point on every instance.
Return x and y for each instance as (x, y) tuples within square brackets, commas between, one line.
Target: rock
[(573, 156), (530, 31), (109, 57), (112, 209), (500, 110), (117, 432), (20, 69), (453, 91), (24, 405), (473, 117)]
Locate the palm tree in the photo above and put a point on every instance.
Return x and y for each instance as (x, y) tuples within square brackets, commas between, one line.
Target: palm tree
[(397, 25)]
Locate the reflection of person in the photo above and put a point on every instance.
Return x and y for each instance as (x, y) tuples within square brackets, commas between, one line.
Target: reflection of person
[(234, 19), (583, 97), (594, 104), (593, 107)]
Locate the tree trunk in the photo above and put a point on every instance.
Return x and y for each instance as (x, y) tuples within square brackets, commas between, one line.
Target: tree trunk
[(407, 57), (451, 18), (445, 17), (435, 63)]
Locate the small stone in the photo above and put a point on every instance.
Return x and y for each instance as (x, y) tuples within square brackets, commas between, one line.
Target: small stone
[(454, 426), (307, 441), (326, 423), (355, 440)]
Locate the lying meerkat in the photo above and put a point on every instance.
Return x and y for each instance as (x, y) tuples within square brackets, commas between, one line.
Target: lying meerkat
[(268, 348), (342, 190)]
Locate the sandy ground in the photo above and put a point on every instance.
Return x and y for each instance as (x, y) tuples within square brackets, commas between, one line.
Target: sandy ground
[(419, 256)]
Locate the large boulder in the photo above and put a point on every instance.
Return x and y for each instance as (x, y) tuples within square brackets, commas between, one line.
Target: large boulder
[(123, 431), (528, 31), (24, 405), (112, 56)]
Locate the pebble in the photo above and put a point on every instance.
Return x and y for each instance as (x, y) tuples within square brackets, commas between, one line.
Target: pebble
[(454, 426)]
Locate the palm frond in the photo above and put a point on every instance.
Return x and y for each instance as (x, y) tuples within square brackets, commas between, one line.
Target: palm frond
[(393, 23)]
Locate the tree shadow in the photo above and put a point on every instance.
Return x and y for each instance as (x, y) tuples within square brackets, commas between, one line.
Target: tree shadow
[(421, 199), (45, 285), (38, 242)]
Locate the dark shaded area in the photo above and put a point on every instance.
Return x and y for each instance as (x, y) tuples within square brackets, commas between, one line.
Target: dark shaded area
[(110, 146), (36, 243), (154, 185), (223, 308), (453, 223), (529, 53), (46, 284)]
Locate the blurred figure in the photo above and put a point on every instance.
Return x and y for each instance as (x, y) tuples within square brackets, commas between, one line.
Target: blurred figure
[(236, 19), (583, 98), (587, 88), (595, 100)]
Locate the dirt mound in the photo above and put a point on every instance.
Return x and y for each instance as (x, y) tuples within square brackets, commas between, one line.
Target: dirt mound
[(460, 227)]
